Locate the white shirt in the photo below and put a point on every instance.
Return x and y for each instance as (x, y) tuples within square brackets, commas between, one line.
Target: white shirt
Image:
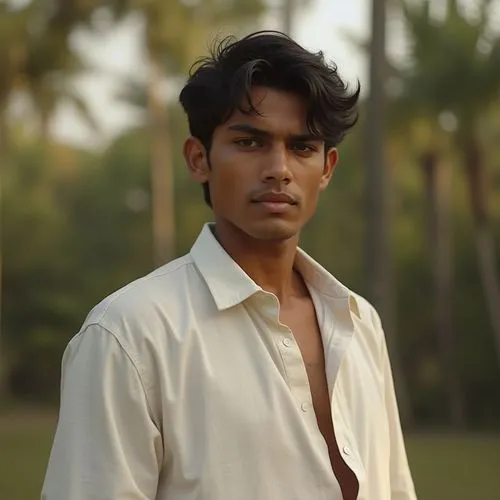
[(184, 385)]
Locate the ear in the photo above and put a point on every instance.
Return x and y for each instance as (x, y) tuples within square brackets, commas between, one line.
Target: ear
[(331, 160), (196, 158)]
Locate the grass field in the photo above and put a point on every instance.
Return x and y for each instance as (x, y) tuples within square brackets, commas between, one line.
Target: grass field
[(444, 467)]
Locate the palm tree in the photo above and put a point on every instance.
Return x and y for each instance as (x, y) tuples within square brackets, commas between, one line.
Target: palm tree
[(288, 8), (456, 69), (378, 260), (37, 59), (413, 117), (13, 26), (176, 34), (37, 62), (51, 65), (12, 56), (377, 252)]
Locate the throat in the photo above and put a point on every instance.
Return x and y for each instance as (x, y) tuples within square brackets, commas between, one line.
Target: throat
[(270, 264)]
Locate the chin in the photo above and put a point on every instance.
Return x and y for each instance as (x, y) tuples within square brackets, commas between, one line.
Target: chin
[(273, 230)]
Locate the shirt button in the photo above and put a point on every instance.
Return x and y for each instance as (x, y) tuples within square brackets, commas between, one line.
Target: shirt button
[(346, 450), (305, 407), (287, 342)]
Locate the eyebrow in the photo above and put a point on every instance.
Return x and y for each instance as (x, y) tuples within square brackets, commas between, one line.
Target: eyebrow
[(249, 129)]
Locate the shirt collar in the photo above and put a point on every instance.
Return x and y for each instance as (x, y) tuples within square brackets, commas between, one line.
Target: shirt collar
[(230, 285), (226, 280)]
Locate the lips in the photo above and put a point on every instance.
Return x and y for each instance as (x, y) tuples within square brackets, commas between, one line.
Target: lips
[(275, 203), (273, 197)]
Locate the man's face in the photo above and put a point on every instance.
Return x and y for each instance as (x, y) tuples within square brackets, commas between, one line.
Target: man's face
[(265, 171)]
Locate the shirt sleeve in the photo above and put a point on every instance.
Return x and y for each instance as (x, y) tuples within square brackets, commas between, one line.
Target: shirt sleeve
[(402, 487), (106, 444)]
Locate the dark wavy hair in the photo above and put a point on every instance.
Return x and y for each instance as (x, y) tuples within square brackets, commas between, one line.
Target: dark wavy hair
[(221, 83)]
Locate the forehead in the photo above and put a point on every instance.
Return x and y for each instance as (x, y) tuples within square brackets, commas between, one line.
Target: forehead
[(279, 112)]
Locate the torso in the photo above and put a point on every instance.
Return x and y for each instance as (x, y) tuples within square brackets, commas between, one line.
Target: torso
[(300, 317)]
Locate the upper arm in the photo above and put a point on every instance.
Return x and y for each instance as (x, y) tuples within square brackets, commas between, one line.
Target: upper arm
[(106, 444)]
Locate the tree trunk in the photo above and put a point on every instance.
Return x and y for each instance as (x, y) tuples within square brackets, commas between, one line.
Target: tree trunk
[(438, 190), (378, 261), (288, 15), (485, 243), (3, 161), (3, 358), (162, 188), (486, 256), (45, 127), (377, 244)]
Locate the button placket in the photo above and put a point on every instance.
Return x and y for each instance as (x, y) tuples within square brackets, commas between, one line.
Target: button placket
[(295, 371), (296, 375), (346, 441), (305, 407)]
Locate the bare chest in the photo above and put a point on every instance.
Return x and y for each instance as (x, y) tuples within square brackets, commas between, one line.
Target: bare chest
[(303, 323), (304, 326)]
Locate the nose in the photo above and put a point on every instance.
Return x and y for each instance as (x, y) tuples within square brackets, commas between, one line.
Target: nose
[(276, 167)]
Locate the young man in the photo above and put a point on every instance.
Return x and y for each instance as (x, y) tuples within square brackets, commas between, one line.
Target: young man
[(243, 370)]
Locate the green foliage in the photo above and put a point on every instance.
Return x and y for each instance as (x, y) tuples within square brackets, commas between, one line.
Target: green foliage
[(37, 58), (177, 31), (73, 232), (454, 63), (77, 225)]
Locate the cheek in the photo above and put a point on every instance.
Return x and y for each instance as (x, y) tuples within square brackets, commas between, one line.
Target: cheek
[(312, 201), (228, 182), (311, 182)]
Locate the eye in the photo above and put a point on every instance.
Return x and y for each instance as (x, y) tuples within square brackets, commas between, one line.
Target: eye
[(302, 147), (248, 142)]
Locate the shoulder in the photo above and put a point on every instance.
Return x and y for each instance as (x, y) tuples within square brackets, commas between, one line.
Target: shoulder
[(141, 322), (370, 336), (147, 307), (367, 312)]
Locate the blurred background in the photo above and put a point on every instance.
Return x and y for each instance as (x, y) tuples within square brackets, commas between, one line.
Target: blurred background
[(94, 194)]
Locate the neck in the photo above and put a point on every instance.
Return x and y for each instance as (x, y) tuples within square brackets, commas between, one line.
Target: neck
[(268, 263)]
